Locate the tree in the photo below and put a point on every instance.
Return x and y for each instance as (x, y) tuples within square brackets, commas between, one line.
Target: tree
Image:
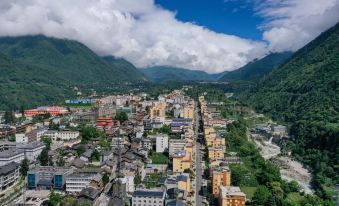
[(9, 117), (88, 133), (137, 179), (47, 141), (95, 156), (24, 167), (121, 116), (261, 196), (81, 149), (54, 199), (60, 162), (105, 179), (43, 157)]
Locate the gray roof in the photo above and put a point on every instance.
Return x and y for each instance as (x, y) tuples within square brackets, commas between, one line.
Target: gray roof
[(10, 153), (8, 168), (148, 193), (175, 203)]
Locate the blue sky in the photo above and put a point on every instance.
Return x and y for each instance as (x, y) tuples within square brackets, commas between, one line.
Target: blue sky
[(235, 17)]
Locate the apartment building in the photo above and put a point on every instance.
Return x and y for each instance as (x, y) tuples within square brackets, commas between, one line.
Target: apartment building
[(231, 196), (181, 161), (161, 143), (9, 174), (220, 176)]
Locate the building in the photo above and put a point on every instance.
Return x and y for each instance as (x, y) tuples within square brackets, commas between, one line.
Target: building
[(188, 112), (216, 153), (79, 181), (31, 150), (157, 110), (220, 176), (184, 182), (231, 196), (148, 197), (161, 143), (279, 131), (181, 161), (53, 111), (9, 174), (47, 177), (62, 135), (176, 144), (129, 182), (147, 143), (25, 138), (11, 155)]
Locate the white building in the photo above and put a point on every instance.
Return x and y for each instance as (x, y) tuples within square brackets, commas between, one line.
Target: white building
[(11, 155), (62, 135), (161, 143), (31, 150), (76, 182), (147, 144), (21, 138), (9, 174), (129, 182)]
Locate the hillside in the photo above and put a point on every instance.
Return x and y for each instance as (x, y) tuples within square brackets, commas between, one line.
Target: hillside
[(59, 62), (21, 86), (257, 68), (165, 73), (304, 92)]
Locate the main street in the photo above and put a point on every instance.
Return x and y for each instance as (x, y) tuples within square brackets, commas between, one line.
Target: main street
[(198, 170)]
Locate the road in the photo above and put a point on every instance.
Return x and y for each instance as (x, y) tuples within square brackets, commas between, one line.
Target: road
[(198, 171)]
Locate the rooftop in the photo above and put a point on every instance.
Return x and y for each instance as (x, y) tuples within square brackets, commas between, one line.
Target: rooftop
[(8, 168), (231, 191), (148, 193)]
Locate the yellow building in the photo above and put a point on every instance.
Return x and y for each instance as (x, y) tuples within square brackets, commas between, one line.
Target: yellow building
[(231, 196), (158, 110), (188, 112), (215, 142), (181, 160), (184, 182), (215, 153), (220, 176)]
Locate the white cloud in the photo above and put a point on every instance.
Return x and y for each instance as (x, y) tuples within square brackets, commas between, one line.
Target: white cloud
[(293, 23), (136, 30)]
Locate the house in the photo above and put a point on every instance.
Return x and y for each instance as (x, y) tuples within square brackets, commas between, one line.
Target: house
[(88, 196), (86, 156), (9, 174)]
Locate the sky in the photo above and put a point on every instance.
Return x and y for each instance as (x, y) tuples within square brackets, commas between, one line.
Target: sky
[(208, 35)]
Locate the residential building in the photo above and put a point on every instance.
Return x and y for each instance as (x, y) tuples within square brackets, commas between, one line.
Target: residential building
[(231, 196), (9, 174), (216, 153), (147, 143), (176, 144), (181, 161), (31, 150), (148, 197), (188, 112), (157, 109), (184, 182), (161, 143), (220, 176)]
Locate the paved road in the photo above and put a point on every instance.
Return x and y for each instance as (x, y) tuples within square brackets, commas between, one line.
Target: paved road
[(198, 173)]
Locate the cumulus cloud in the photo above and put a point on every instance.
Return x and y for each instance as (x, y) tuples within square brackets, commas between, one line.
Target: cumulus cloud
[(137, 30), (290, 24)]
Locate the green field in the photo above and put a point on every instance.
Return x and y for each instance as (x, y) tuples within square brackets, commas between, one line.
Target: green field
[(249, 191), (159, 158)]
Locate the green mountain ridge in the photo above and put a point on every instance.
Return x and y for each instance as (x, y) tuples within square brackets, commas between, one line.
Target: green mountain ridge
[(304, 92), (167, 73), (49, 61), (257, 68)]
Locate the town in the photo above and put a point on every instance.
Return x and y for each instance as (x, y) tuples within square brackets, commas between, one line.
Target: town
[(123, 150)]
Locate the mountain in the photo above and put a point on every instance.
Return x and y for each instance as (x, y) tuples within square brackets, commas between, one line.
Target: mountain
[(257, 68), (166, 73), (40, 60), (304, 92)]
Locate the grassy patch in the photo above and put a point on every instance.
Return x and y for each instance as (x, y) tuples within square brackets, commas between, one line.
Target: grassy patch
[(295, 197), (152, 180), (159, 158), (249, 191)]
